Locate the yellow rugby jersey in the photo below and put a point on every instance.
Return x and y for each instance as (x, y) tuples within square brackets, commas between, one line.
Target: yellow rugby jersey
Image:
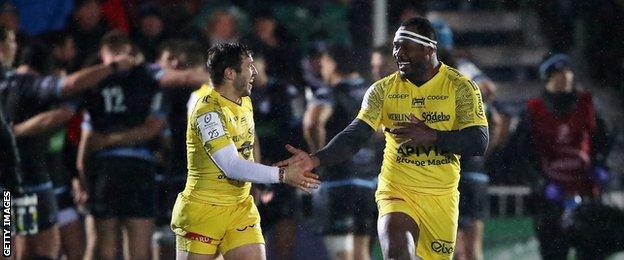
[(195, 96), (223, 122), (448, 101)]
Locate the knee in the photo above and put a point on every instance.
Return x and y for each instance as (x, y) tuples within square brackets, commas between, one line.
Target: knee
[(398, 247)]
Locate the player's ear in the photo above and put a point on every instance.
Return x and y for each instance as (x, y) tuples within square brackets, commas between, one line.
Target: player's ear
[(229, 73)]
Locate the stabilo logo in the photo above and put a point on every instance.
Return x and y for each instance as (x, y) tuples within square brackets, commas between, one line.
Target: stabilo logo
[(434, 117), (443, 247)]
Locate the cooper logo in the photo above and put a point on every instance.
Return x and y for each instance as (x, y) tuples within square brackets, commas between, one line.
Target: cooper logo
[(398, 96), (418, 102), (437, 97), (434, 117), (442, 247)]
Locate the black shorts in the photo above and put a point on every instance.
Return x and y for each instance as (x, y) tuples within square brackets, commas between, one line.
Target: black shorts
[(64, 197), (45, 213), (121, 187), (349, 209), (473, 197), (285, 204)]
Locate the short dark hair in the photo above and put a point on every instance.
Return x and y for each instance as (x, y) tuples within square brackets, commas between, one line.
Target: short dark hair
[(115, 40), (194, 51), (225, 55), (55, 38), (423, 26), (37, 56), (4, 32)]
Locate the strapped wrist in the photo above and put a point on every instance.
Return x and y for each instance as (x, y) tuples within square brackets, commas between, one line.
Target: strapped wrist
[(281, 174)]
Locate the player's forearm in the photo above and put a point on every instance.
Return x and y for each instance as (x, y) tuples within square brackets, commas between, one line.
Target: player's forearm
[(43, 122), (237, 168), (137, 135), (193, 77), (346, 144), (470, 141), (84, 79)]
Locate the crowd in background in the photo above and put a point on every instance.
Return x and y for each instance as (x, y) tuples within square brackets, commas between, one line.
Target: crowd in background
[(301, 49)]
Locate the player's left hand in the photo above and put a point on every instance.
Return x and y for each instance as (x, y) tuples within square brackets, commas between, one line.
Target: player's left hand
[(414, 133)]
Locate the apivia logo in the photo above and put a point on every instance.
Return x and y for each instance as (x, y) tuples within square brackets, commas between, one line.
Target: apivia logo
[(398, 96), (443, 247), (434, 117), (418, 102)]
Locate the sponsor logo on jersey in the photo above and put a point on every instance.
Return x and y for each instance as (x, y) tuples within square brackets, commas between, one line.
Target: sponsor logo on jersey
[(418, 102), (434, 117), (245, 150), (406, 151), (437, 97), (443, 247), (398, 96), (399, 117)]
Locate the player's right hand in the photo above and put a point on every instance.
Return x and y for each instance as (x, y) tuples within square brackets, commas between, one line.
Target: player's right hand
[(298, 156), (126, 62), (296, 176)]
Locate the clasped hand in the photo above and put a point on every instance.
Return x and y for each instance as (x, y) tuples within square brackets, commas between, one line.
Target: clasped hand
[(298, 170), (414, 133)]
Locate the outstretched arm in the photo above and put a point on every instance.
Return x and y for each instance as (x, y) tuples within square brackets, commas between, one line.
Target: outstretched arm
[(137, 135), (194, 77), (43, 122), (342, 147), (88, 77)]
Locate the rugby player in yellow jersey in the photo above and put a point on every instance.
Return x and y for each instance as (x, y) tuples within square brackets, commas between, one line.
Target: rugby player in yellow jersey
[(215, 213), (431, 115)]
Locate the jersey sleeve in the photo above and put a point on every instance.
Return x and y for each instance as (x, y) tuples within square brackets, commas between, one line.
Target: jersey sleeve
[(48, 89), (372, 105), (155, 71), (469, 106), (158, 107), (210, 126)]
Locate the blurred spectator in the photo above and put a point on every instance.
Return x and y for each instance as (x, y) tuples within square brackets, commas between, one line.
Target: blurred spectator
[(151, 30), (115, 13), (8, 49), (220, 27), (9, 18), (63, 51), (269, 39), (562, 139), (38, 17), (311, 69), (180, 17), (348, 188), (382, 62), (278, 110), (87, 28)]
